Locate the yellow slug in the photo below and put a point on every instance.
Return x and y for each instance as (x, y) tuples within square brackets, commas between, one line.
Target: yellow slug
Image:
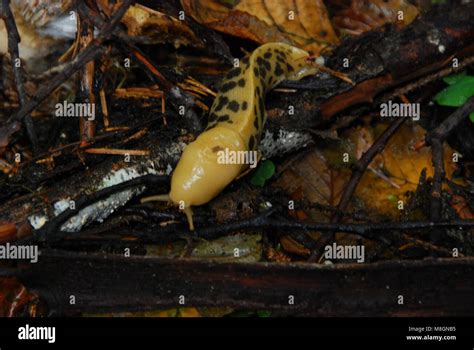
[(236, 121)]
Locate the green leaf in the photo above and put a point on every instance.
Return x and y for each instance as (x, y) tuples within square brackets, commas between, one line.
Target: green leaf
[(264, 172), (471, 116), (453, 79), (457, 94), (392, 198), (264, 313), (257, 181)]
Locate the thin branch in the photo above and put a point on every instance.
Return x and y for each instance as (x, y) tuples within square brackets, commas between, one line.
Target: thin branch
[(446, 127), (359, 169), (439, 173), (436, 138), (13, 41)]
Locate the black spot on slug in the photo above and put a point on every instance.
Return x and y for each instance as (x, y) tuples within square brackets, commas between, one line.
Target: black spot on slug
[(263, 72), (267, 55), (235, 72), (233, 106), (289, 68), (255, 121), (221, 102), (263, 64), (278, 70), (212, 117), (244, 105), (255, 71), (228, 86), (251, 142), (267, 65), (241, 82), (223, 118)]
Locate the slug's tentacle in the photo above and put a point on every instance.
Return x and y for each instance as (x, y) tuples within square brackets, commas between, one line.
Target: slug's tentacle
[(236, 121), (156, 198)]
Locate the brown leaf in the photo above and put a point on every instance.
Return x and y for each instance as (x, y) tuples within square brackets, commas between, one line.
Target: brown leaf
[(13, 297), (462, 207), (300, 22), (313, 178), (156, 26), (294, 247)]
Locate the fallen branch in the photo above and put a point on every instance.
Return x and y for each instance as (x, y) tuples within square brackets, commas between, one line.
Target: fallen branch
[(114, 283)]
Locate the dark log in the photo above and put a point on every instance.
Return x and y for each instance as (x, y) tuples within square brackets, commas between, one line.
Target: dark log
[(105, 283)]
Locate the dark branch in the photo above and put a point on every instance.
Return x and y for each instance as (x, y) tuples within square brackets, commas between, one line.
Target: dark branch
[(13, 41)]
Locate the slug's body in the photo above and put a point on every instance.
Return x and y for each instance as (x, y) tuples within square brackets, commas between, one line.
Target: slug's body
[(236, 121)]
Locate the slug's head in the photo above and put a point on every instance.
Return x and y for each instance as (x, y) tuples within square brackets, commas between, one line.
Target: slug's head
[(204, 169), (296, 63)]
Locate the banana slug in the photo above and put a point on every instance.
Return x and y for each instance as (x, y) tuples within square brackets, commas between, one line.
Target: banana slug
[(236, 121)]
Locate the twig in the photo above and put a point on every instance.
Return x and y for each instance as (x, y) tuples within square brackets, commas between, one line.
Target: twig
[(120, 152), (13, 40), (270, 220), (358, 171), (86, 36), (436, 138), (438, 165), (446, 127)]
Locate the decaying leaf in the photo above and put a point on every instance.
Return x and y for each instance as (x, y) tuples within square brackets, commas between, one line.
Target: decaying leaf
[(402, 166), (294, 247), (322, 176), (300, 22), (159, 27), (13, 297), (156, 26), (313, 179), (365, 15), (461, 205)]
